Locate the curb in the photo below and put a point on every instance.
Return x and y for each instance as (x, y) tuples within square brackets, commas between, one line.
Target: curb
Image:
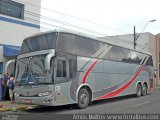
[(16, 108), (11, 109)]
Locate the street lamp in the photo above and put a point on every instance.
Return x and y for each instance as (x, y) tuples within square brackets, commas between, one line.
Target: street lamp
[(137, 36)]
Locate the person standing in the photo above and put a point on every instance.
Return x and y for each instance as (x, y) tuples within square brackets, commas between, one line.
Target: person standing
[(1, 88), (4, 86), (10, 84), (1, 79)]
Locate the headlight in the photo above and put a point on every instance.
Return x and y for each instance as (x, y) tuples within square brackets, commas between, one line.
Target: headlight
[(45, 94), (16, 94)]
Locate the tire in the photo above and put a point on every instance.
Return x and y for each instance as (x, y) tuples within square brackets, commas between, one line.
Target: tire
[(83, 98), (144, 90), (139, 91)]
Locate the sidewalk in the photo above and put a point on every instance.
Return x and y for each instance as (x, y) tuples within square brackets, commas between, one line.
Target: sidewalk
[(7, 106), (156, 88)]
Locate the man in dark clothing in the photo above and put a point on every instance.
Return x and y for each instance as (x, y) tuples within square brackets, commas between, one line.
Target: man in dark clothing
[(4, 82), (1, 88)]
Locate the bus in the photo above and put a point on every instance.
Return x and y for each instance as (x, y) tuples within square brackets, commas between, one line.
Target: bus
[(59, 67)]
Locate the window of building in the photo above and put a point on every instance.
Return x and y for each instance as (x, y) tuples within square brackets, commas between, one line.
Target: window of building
[(11, 8)]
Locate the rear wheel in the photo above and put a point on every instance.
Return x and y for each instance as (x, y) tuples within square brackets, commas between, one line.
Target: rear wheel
[(83, 98), (139, 90), (144, 90)]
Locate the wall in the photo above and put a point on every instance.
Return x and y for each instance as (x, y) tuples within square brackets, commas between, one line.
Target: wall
[(13, 34), (31, 7), (14, 31), (153, 49), (158, 59)]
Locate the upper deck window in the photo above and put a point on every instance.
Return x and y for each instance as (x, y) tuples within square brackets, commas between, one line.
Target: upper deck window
[(38, 43), (11, 8), (78, 45), (150, 61)]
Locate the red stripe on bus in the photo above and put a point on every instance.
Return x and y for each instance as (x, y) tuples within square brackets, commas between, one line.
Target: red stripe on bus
[(116, 92), (88, 71)]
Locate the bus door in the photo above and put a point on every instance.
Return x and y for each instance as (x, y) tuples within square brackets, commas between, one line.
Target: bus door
[(61, 80)]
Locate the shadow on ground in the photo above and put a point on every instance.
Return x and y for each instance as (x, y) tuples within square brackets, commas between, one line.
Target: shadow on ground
[(47, 109)]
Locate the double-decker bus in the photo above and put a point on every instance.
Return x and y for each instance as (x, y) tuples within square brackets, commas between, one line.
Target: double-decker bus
[(59, 68)]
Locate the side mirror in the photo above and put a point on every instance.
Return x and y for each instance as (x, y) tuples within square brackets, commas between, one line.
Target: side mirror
[(48, 60), (8, 63)]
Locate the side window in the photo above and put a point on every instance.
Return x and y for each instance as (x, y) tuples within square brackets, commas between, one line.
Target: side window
[(149, 61), (61, 68), (107, 56), (118, 54), (72, 68), (136, 57), (52, 68)]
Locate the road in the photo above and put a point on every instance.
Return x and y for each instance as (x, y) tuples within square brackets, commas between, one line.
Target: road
[(149, 104)]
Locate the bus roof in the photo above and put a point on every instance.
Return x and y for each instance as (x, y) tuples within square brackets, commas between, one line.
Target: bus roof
[(87, 36)]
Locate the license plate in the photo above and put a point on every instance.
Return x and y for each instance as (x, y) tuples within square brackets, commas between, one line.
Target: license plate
[(28, 101)]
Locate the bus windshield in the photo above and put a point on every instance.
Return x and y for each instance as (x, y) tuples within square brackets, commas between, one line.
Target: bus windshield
[(38, 43), (31, 70)]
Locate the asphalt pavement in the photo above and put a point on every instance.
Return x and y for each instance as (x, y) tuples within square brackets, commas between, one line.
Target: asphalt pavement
[(146, 105)]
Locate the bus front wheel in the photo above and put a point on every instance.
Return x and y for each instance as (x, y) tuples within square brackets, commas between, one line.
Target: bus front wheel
[(83, 98)]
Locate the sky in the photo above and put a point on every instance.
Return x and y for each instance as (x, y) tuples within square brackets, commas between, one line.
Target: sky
[(103, 17)]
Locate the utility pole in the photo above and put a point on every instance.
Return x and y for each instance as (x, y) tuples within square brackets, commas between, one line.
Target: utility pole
[(134, 43), (135, 36)]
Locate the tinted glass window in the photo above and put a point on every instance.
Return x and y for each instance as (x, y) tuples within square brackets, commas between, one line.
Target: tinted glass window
[(149, 61), (115, 53), (42, 42), (61, 68), (72, 68), (136, 57), (87, 47), (78, 45), (11, 8), (107, 56), (32, 70), (118, 54), (52, 68), (126, 55)]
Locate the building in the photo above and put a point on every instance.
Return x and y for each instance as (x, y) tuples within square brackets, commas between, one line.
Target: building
[(146, 42), (18, 19)]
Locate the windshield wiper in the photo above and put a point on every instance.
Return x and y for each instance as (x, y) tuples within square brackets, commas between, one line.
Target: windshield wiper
[(29, 71), (27, 65)]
